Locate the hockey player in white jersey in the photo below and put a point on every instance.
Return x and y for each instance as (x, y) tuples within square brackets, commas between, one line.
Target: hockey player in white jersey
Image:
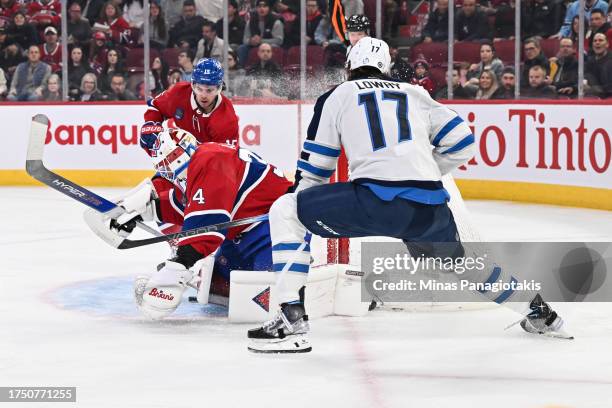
[(399, 143)]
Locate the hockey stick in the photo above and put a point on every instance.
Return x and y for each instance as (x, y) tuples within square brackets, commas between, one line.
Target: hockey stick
[(36, 168)]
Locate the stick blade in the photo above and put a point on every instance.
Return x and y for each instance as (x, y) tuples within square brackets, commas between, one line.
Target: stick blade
[(36, 144)]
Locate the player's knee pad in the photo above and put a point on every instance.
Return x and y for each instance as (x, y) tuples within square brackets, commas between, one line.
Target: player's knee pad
[(284, 222)]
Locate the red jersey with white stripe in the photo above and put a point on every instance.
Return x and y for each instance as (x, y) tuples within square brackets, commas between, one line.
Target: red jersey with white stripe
[(224, 183), (178, 103)]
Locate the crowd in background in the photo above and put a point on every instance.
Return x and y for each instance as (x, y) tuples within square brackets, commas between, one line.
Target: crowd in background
[(105, 40)]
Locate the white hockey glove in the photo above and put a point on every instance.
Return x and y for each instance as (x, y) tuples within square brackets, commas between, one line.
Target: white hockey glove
[(139, 205), (159, 295)]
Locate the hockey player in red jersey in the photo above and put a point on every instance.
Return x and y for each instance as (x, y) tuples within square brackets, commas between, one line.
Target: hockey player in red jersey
[(211, 183), (198, 107)]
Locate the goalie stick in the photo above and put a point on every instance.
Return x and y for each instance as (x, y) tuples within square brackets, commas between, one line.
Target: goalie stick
[(36, 168)]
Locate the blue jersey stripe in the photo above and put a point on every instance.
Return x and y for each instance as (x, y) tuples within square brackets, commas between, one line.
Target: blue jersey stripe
[(446, 130), (254, 172), (463, 143), (492, 278), (302, 165), (506, 294), (294, 267), (202, 220), (290, 247), (320, 149)]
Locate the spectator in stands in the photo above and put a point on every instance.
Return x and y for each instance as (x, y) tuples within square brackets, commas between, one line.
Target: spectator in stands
[(533, 56), (471, 23), (159, 70), (488, 61), (97, 51), (575, 23), (313, 20), (541, 18), (503, 12), (173, 10), (573, 10), (537, 87), (235, 25), (459, 92), (93, 10), (185, 64), (8, 8), (210, 46), (30, 78), (113, 65), (10, 57), (421, 76), (113, 24), (508, 82), (79, 30), (188, 28), (400, 70), (211, 10), (565, 77), (289, 11), (118, 90), (436, 28), (335, 50), (158, 30), (44, 12), (488, 86), (234, 77), (265, 67), (77, 68), (22, 32), (50, 50), (598, 25), (174, 77), (89, 89), (52, 90), (263, 28), (133, 12), (3, 87), (598, 68)]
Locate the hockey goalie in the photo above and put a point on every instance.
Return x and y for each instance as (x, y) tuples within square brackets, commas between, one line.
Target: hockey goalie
[(211, 183)]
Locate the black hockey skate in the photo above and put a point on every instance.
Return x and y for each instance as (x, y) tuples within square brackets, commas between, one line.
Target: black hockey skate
[(543, 320), (285, 333)]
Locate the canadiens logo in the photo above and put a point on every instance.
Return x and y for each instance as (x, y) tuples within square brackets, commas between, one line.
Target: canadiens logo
[(263, 299)]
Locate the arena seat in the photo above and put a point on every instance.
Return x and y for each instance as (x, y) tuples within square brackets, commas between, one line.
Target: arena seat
[(170, 56), (135, 58), (466, 51), (434, 52), (315, 56), (505, 51)]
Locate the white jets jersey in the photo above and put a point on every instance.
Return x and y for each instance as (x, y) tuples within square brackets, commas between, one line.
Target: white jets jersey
[(391, 132)]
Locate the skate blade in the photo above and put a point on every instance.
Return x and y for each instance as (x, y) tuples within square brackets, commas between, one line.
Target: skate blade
[(290, 344)]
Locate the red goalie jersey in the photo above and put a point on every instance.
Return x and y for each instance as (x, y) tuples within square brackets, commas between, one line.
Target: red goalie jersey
[(224, 183), (178, 103)]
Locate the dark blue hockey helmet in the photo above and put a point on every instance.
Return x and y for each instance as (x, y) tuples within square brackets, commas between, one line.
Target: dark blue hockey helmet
[(207, 71)]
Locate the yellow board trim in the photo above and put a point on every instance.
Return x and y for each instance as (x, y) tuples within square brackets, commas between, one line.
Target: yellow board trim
[(573, 196)]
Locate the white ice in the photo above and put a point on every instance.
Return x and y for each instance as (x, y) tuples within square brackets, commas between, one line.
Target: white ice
[(386, 359)]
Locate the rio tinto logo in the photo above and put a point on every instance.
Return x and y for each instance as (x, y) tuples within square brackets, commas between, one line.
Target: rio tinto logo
[(122, 135), (530, 142)]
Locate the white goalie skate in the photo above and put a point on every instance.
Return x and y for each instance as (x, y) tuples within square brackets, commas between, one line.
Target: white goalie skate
[(285, 333)]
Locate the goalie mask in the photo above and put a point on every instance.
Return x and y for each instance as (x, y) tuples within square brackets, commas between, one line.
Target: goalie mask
[(172, 154)]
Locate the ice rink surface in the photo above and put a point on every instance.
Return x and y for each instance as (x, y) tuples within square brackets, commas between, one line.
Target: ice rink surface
[(67, 320)]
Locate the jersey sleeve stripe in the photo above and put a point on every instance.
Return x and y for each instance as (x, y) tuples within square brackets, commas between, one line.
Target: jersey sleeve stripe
[(446, 129), (462, 144), (290, 247), (195, 238), (314, 170), (295, 267), (176, 204), (320, 149)]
